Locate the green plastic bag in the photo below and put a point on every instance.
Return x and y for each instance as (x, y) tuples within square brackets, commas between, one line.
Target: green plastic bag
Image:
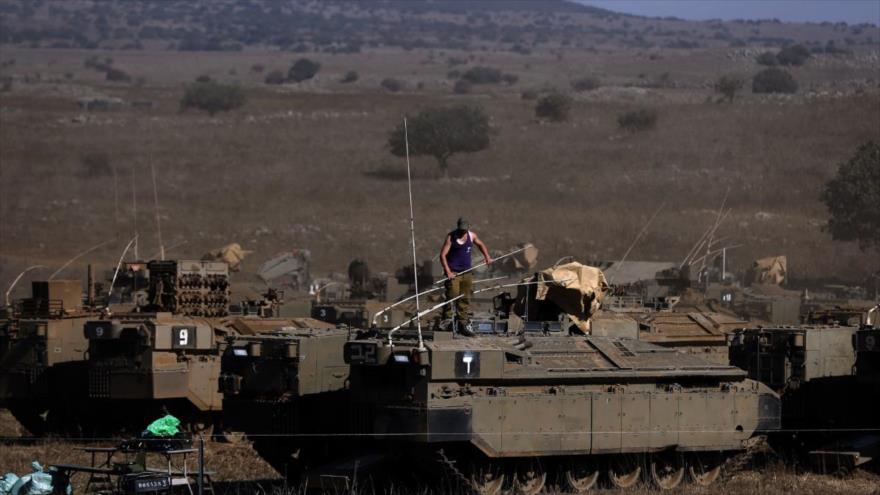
[(166, 426)]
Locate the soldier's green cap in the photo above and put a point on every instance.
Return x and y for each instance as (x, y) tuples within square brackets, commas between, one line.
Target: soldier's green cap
[(463, 224)]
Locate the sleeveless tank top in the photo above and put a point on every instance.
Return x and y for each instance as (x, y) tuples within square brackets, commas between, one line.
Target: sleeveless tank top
[(459, 256)]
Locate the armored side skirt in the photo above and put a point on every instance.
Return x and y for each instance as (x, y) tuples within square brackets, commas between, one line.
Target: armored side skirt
[(589, 422)]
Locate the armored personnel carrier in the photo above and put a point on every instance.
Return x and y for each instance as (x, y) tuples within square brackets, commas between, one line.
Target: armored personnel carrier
[(67, 368), (525, 411), (823, 374), (141, 363), (42, 368), (286, 388)]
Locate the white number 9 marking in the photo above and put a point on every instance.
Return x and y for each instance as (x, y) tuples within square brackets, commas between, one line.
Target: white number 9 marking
[(183, 337)]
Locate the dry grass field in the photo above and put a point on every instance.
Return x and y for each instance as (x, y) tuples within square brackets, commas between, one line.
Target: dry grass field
[(307, 165)]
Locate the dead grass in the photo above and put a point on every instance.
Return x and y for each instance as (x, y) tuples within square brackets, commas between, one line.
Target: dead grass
[(308, 167), (239, 471)]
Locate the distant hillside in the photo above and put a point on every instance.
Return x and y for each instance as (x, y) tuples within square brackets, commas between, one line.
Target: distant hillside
[(350, 26)]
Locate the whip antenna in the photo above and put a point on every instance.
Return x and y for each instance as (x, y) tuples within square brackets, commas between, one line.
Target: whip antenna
[(134, 211), (118, 265), (156, 206), (412, 230), (12, 286), (78, 256)]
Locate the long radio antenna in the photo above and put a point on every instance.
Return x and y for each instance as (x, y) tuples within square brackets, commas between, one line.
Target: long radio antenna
[(134, 211), (156, 207), (412, 230), (118, 265), (12, 285), (78, 256)]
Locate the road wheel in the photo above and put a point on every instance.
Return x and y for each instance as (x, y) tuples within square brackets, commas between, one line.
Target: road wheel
[(530, 478), (580, 476), (667, 470), (624, 470), (487, 478), (703, 469)]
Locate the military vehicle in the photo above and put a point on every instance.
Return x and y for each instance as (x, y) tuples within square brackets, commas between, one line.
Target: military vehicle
[(823, 373), (286, 388), (517, 411), (523, 405), (168, 354), (42, 368)]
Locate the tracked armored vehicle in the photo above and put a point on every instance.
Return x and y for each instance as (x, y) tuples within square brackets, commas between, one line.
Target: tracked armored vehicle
[(525, 412), (140, 364), (42, 368), (168, 353), (823, 373), (286, 389)]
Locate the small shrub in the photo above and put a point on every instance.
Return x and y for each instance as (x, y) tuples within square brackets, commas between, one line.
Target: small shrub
[(638, 120), (203, 78), (350, 77), (453, 74), (275, 77), (258, 68), (793, 55), (555, 107), (212, 97), (585, 84), (453, 61), (529, 94), (117, 75), (767, 58), (391, 84), (303, 69), (5, 84), (509, 79), (462, 87), (482, 75), (729, 86), (97, 64), (774, 80)]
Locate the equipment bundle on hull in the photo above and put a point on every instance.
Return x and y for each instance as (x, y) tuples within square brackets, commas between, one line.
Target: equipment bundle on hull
[(190, 288)]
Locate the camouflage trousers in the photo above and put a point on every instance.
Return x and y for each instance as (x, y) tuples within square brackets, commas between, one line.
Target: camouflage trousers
[(461, 285)]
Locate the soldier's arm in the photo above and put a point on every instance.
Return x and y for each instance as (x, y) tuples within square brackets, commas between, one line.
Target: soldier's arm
[(443, 252), (483, 248)]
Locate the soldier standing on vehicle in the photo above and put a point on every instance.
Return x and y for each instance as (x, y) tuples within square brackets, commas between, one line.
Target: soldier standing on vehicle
[(456, 258)]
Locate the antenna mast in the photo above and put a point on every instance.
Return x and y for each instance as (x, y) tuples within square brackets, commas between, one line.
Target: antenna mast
[(134, 210), (156, 206), (412, 230)]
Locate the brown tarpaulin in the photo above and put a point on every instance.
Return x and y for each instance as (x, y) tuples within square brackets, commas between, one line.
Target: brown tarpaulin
[(577, 289), (771, 270), (232, 254)]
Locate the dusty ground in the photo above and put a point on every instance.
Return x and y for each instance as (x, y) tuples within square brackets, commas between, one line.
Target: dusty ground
[(240, 471)]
